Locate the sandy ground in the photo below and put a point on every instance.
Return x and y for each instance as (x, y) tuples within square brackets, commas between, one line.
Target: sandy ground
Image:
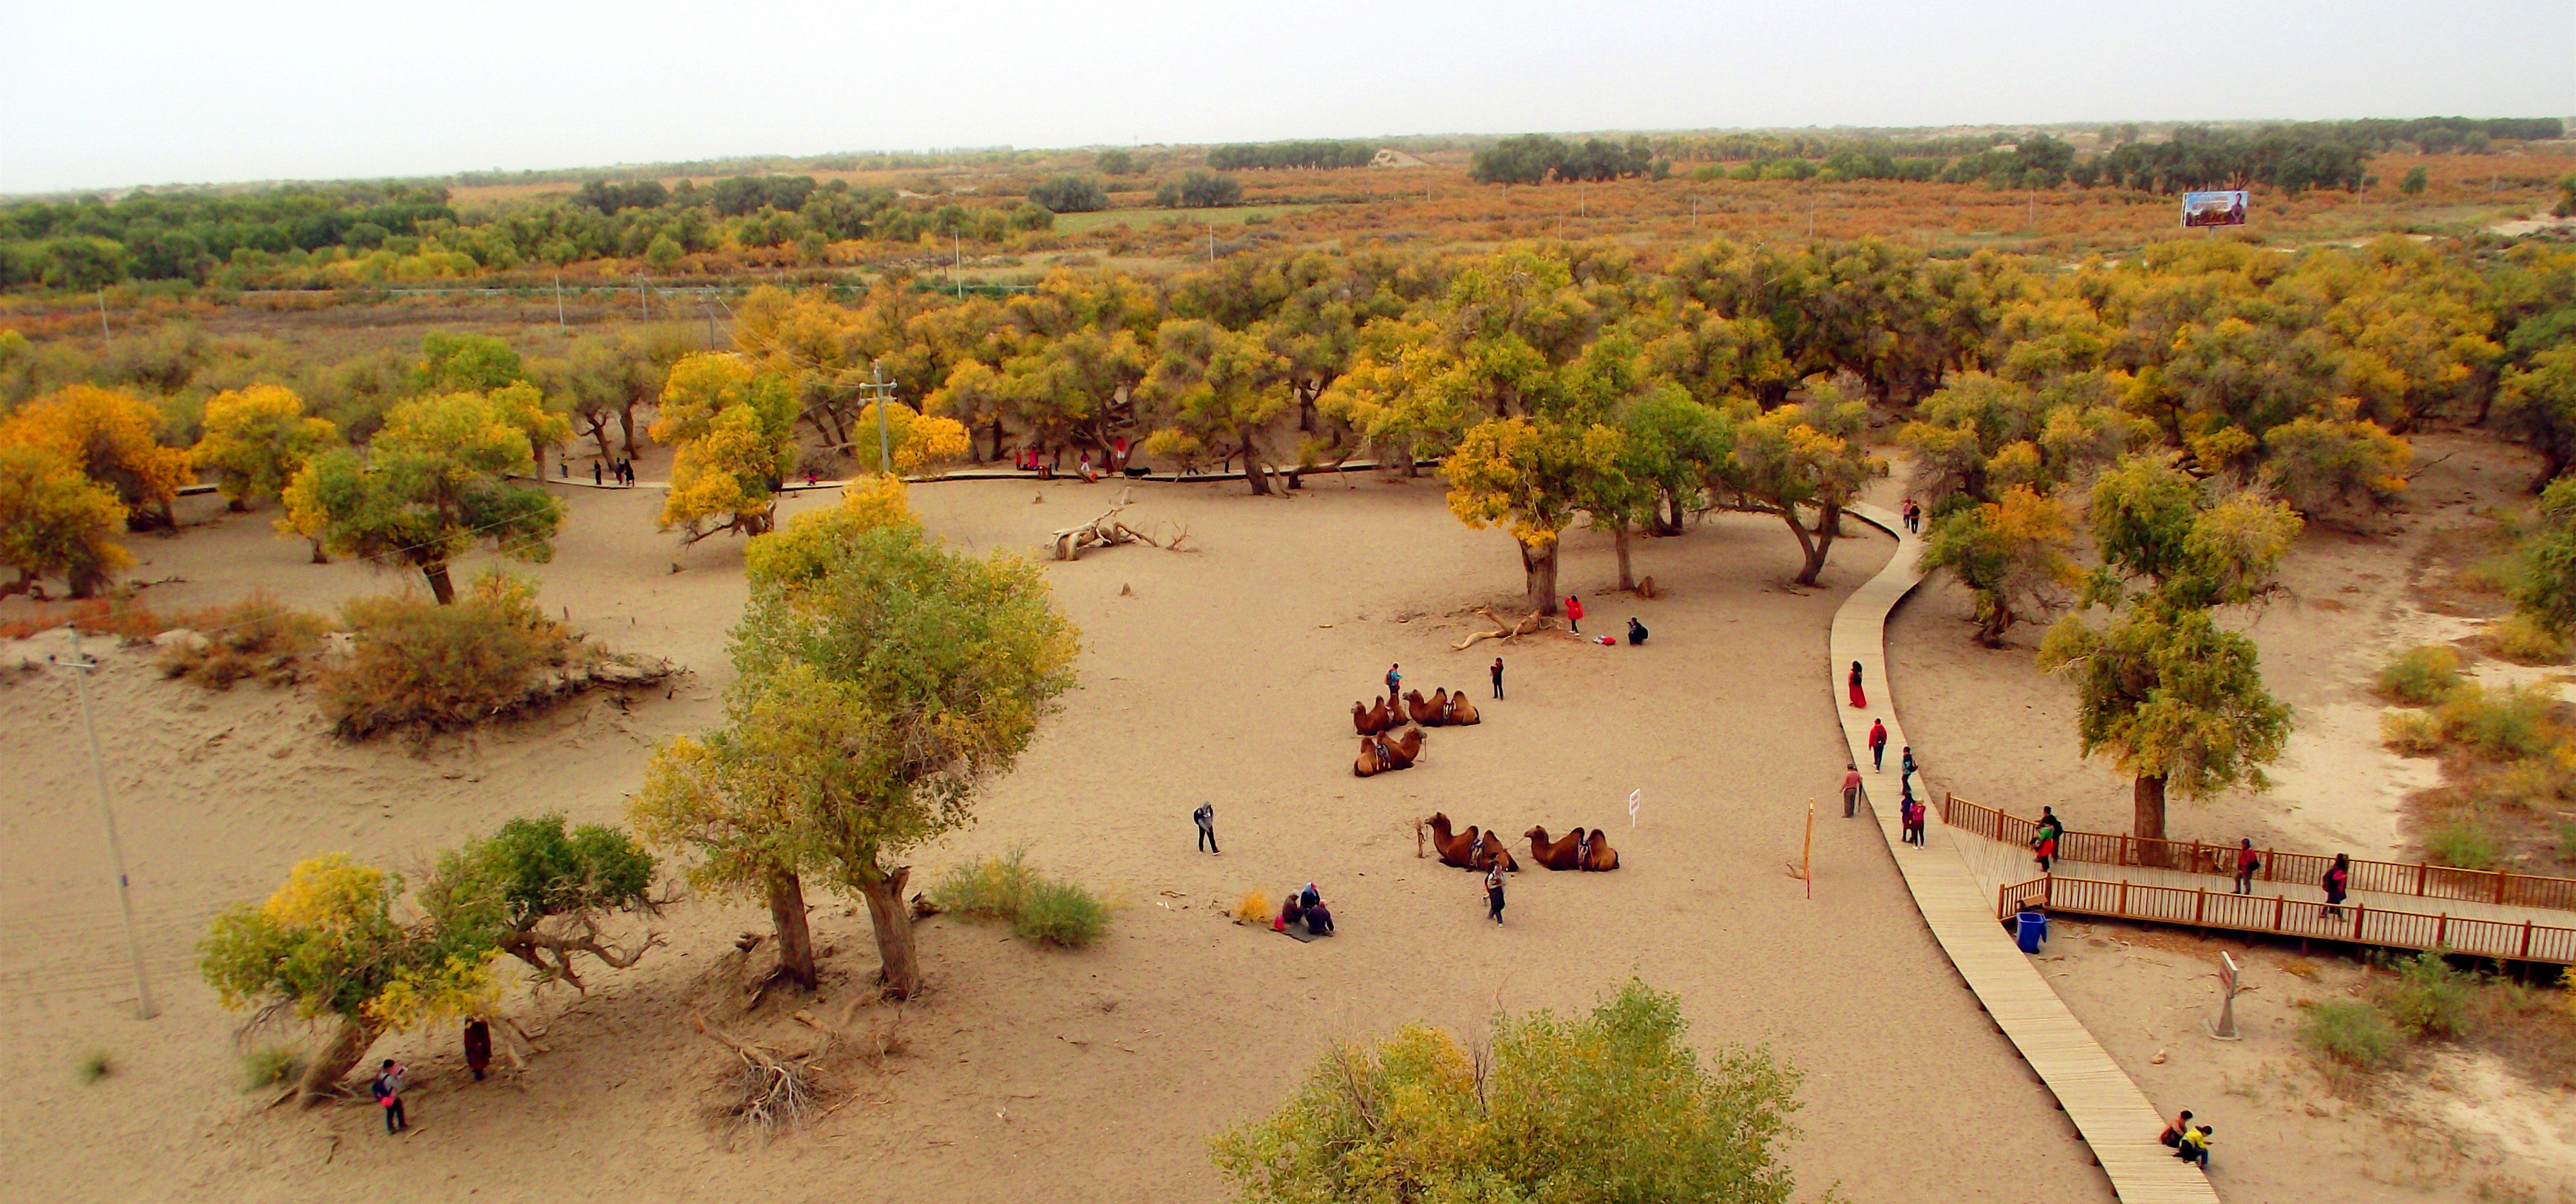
[(1226, 675), (2353, 599)]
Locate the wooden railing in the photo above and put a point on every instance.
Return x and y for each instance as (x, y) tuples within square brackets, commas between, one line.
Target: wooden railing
[(2305, 869), (2276, 914)]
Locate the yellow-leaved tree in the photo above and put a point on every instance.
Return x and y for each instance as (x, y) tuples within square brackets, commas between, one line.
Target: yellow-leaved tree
[(113, 438), (333, 943), (54, 522), (732, 427), (914, 440), (256, 440)]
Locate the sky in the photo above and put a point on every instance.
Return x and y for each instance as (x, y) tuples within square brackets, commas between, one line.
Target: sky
[(161, 92)]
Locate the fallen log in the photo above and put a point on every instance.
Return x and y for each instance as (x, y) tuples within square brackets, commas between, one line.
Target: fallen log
[(1507, 629)]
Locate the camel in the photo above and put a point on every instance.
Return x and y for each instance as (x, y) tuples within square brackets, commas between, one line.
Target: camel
[(1555, 855), (1472, 849), (1370, 720), (1368, 763), (1429, 713), (1402, 753), (1595, 853), (1381, 755), (1462, 713)]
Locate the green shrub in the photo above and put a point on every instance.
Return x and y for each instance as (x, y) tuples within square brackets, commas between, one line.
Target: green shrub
[(1611, 1105), (270, 1065), (2414, 733), (2524, 642), (2505, 723), (2429, 999), (1061, 913), (2567, 842), (96, 1065), (2420, 676), (2465, 845), (255, 637), (2350, 1032), (1037, 908), (419, 664)]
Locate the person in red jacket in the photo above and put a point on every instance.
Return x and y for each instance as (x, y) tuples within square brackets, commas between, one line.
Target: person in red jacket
[(1878, 746), (1574, 613)]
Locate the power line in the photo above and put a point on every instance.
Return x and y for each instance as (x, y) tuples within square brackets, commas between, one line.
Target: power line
[(82, 667)]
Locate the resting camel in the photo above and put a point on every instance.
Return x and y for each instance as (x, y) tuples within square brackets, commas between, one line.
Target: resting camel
[(1472, 849), (1595, 853), (1462, 713), (1381, 755), (1370, 720), (1555, 855), (1431, 713)]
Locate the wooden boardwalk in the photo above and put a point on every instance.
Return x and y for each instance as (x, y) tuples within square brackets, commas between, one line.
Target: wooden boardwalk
[(2115, 1118)]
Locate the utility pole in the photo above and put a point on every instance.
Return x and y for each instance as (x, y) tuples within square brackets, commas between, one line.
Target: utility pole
[(883, 390), (81, 667), (559, 314), (957, 264), (1211, 232), (103, 335)]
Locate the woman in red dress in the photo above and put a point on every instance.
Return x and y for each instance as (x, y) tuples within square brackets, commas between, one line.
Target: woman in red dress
[(1858, 699)]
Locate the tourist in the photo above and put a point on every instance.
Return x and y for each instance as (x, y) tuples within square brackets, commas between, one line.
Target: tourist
[(1290, 912), (2247, 864), (2194, 1146), (2045, 842), (1498, 677), (478, 1047), (594, 473), (1908, 812), (2338, 879), (1205, 818), (563, 469), (1877, 746), (388, 1086), (1319, 917), (2030, 927), (1858, 699), (1636, 632), (2175, 1128), (1914, 817), (1494, 891), (1905, 768), (1574, 613), (1394, 684), (1851, 790), (1905, 514)]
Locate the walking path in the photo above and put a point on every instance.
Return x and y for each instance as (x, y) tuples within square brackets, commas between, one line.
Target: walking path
[(2114, 1117)]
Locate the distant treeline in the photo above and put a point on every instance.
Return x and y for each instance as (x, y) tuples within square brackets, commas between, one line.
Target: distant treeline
[(1533, 158), (305, 235), (1310, 153)]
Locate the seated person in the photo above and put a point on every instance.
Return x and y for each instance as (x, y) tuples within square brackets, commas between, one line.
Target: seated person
[(2194, 1146), (1289, 913), (1319, 920), (1636, 632)]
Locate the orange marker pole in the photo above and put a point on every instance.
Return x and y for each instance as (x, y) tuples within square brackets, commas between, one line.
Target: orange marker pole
[(1806, 856)]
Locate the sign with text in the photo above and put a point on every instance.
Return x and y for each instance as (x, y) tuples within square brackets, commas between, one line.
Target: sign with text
[(2225, 208)]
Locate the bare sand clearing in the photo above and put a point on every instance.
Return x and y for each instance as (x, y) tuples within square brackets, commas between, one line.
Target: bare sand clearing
[(1996, 731), (1224, 675)]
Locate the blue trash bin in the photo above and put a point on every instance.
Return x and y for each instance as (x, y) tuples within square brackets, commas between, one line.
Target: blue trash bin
[(2030, 928)]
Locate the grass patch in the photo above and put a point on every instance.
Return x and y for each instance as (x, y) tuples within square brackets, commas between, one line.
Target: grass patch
[(1038, 908), (257, 637), (270, 1065), (2420, 676), (2430, 999), (2414, 733), (2524, 642), (1078, 223), (2503, 723), (2462, 844), (2351, 1033), (95, 1065)]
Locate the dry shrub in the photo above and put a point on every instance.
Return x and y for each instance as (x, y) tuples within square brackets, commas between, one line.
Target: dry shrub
[(1253, 908), (255, 637), (2524, 642), (119, 616), (2420, 676), (417, 664), (2414, 733), (2503, 723)]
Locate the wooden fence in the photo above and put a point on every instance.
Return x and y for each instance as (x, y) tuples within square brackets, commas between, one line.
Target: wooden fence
[(2306, 869), (2276, 914)]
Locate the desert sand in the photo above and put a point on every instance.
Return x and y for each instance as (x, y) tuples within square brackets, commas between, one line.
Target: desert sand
[(1225, 674)]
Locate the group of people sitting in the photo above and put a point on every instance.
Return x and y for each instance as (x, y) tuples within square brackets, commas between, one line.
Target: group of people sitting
[(2188, 1141), (1307, 907)]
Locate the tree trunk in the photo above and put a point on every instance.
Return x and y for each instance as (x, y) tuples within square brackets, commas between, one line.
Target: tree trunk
[(1829, 523), (1539, 569), (892, 920), (318, 557), (626, 426), (787, 916), (1667, 514), (334, 1062), (1619, 539), (439, 586), (997, 436), (599, 431), (1806, 545), (2148, 798), (1252, 467)]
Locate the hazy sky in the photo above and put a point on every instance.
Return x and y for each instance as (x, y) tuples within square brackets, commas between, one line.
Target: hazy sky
[(152, 91)]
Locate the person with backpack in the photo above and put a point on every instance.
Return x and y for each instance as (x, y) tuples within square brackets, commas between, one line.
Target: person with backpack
[(2338, 879), (2045, 842), (1394, 684), (1636, 632), (1498, 677), (1494, 891), (1205, 818), (1877, 745), (1574, 613), (391, 1078), (2247, 865)]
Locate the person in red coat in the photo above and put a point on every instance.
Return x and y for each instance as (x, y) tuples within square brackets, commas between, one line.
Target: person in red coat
[(1574, 613), (1858, 699)]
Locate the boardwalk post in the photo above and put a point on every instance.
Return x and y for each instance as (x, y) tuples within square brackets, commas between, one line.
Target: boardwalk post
[(2269, 856), (2123, 905), (2442, 930), (2280, 904), (2526, 941), (2500, 876), (2419, 879), (2358, 910)]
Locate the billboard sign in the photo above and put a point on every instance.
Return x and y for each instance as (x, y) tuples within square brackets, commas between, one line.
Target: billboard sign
[(2225, 208)]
